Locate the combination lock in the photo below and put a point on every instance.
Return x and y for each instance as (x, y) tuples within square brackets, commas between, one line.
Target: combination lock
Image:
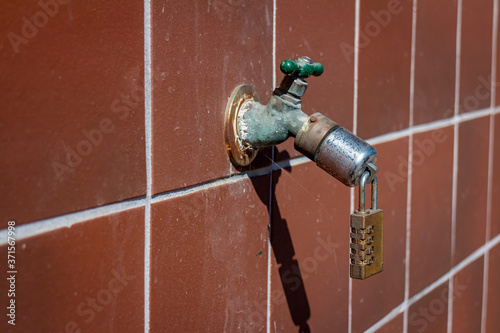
[(367, 233)]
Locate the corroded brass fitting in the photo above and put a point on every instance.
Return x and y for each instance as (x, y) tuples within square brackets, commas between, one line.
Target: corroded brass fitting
[(312, 133), (335, 149)]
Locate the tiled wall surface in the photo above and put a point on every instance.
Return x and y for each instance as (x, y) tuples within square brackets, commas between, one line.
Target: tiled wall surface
[(130, 217)]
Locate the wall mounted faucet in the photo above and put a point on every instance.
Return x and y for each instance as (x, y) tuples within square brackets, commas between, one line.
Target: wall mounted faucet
[(250, 125)]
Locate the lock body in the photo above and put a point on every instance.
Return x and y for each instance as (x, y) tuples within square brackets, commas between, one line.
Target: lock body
[(367, 249), (367, 233), (335, 149), (345, 156)]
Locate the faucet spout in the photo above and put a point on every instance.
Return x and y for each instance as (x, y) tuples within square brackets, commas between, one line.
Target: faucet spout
[(268, 125), (251, 125)]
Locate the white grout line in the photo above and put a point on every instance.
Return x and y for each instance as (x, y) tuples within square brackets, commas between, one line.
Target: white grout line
[(356, 67), (457, 56), (274, 45), (461, 118), (208, 185), (33, 228), (354, 130), (149, 179), (408, 228), (410, 163), (294, 161), (490, 165), (412, 63), (446, 277), (68, 220), (488, 218), (449, 319), (455, 159), (438, 124), (494, 53), (269, 249), (484, 305)]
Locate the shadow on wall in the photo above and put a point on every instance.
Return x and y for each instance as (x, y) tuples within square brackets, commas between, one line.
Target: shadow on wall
[(281, 242)]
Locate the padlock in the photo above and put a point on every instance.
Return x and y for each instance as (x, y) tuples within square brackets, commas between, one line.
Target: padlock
[(367, 232)]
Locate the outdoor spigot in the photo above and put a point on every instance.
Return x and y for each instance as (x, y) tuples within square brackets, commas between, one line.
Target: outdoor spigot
[(251, 125)]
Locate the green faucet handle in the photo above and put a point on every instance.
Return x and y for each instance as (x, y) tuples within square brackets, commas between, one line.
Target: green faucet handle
[(303, 67)]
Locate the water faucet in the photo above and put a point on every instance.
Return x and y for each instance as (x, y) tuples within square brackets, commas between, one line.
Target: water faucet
[(251, 125)]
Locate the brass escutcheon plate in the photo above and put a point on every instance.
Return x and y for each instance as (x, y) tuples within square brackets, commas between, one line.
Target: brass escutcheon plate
[(239, 153)]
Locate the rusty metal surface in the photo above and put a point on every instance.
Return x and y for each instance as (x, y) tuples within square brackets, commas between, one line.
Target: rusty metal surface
[(345, 156), (238, 152), (251, 125), (294, 86), (312, 134)]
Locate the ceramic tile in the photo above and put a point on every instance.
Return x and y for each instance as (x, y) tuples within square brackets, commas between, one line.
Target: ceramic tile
[(431, 204), (475, 55), (468, 298), (472, 187), (394, 326), (86, 278), (72, 120), (430, 313), (309, 239), (492, 318), (384, 66), (200, 53), (435, 53), (209, 259), (495, 213)]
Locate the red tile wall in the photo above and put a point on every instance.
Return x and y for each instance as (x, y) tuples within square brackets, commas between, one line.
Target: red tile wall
[(200, 52), (468, 297), (475, 54), (216, 270), (431, 207), (307, 251), (394, 326), (72, 116), (87, 278), (130, 217), (495, 184), (429, 314), (435, 54), (384, 75), (493, 301), (472, 187)]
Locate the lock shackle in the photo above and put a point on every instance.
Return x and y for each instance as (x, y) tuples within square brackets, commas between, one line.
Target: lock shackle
[(375, 193), (362, 191)]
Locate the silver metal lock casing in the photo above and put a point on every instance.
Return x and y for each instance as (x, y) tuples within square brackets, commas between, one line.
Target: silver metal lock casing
[(345, 156)]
